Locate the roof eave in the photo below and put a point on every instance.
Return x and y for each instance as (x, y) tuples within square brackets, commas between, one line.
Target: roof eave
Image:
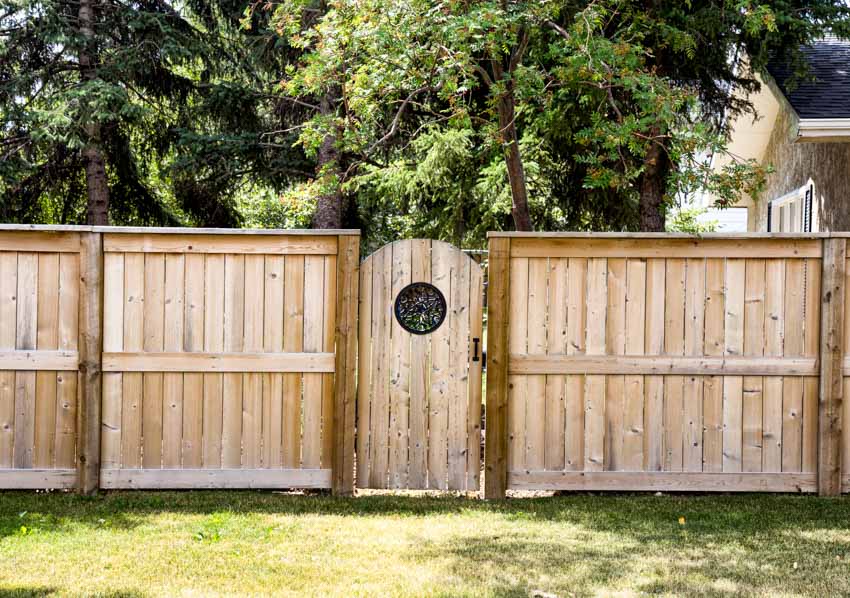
[(823, 130)]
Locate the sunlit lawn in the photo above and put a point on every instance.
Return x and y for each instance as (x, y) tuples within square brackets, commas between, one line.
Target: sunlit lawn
[(240, 543)]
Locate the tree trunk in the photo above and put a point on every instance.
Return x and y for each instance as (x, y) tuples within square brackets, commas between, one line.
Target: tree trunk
[(652, 186), (513, 159), (97, 186), (328, 212)]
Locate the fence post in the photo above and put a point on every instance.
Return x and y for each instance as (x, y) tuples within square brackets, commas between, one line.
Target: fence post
[(347, 302), (496, 423), (831, 365), (90, 350)]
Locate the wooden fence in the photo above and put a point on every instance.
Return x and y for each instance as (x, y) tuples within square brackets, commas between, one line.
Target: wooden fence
[(153, 358), (227, 357), (666, 363)]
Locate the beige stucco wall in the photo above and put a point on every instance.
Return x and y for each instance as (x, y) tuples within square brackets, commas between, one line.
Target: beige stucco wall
[(749, 137)]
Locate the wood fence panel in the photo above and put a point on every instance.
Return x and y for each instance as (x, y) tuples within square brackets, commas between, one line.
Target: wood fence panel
[(219, 360), (698, 360), (39, 315)]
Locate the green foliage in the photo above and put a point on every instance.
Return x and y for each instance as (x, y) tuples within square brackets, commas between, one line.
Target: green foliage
[(686, 220), (597, 86), (265, 209), (215, 113)]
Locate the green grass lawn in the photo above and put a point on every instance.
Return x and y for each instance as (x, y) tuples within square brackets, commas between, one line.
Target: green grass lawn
[(238, 543)]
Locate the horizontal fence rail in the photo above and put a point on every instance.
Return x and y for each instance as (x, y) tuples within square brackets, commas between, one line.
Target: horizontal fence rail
[(666, 362)]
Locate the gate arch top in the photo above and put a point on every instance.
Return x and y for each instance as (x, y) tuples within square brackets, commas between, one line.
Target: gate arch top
[(419, 395)]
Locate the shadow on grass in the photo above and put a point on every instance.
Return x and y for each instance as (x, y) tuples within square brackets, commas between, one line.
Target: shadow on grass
[(743, 512), (644, 517), (728, 545), (41, 592), (667, 564), (26, 591)]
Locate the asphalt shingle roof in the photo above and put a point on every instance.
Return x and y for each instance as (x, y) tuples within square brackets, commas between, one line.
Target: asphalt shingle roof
[(829, 95)]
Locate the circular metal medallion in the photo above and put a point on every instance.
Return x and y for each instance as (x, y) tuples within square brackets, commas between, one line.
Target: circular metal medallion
[(420, 308)]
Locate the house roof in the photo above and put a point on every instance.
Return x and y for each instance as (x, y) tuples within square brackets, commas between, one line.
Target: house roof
[(828, 96)]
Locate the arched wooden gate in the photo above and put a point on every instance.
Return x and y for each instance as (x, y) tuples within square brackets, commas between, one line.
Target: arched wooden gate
[(419, 391)]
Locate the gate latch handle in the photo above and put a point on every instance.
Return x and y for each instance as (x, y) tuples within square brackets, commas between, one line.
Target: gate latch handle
[(475, 342)]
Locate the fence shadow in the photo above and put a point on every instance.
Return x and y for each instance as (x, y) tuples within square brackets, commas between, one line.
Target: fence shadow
[(27, 591), (739, 513), (740, 545)]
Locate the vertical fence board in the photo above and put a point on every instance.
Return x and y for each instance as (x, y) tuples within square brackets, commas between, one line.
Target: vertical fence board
[(473, 432), (8, 332), (113, 341), (615, 333), (656, 274), (329, 319), (399, 388), (345, 334), (574, 412), (459, 372), (715, 341), (379, 425), (90, 345), (517, 321), (193, 382), (314, 310), (594, 400), (293, 340), (833, 296), (773, 385), (154, 333), (66, 382), (812, 348), (234, 341), (364, 369), (498, 295), (692, 389), (273, 324), (172, 382), (213, 342), (47, 338), (420, 344), (131, 393), (441, 371), (753, 346), (633, 419), (733, 386), (252, 390), (674, 344), (556, 344), (25, 381), (792, 398), (535, 403)]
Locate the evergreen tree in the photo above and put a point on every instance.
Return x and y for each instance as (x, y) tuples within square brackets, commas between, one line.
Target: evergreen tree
[(138, 111)]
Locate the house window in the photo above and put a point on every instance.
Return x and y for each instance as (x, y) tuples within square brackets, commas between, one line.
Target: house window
[(795, 212)]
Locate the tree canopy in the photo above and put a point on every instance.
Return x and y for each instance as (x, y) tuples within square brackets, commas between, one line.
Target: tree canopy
[(437, 118)]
